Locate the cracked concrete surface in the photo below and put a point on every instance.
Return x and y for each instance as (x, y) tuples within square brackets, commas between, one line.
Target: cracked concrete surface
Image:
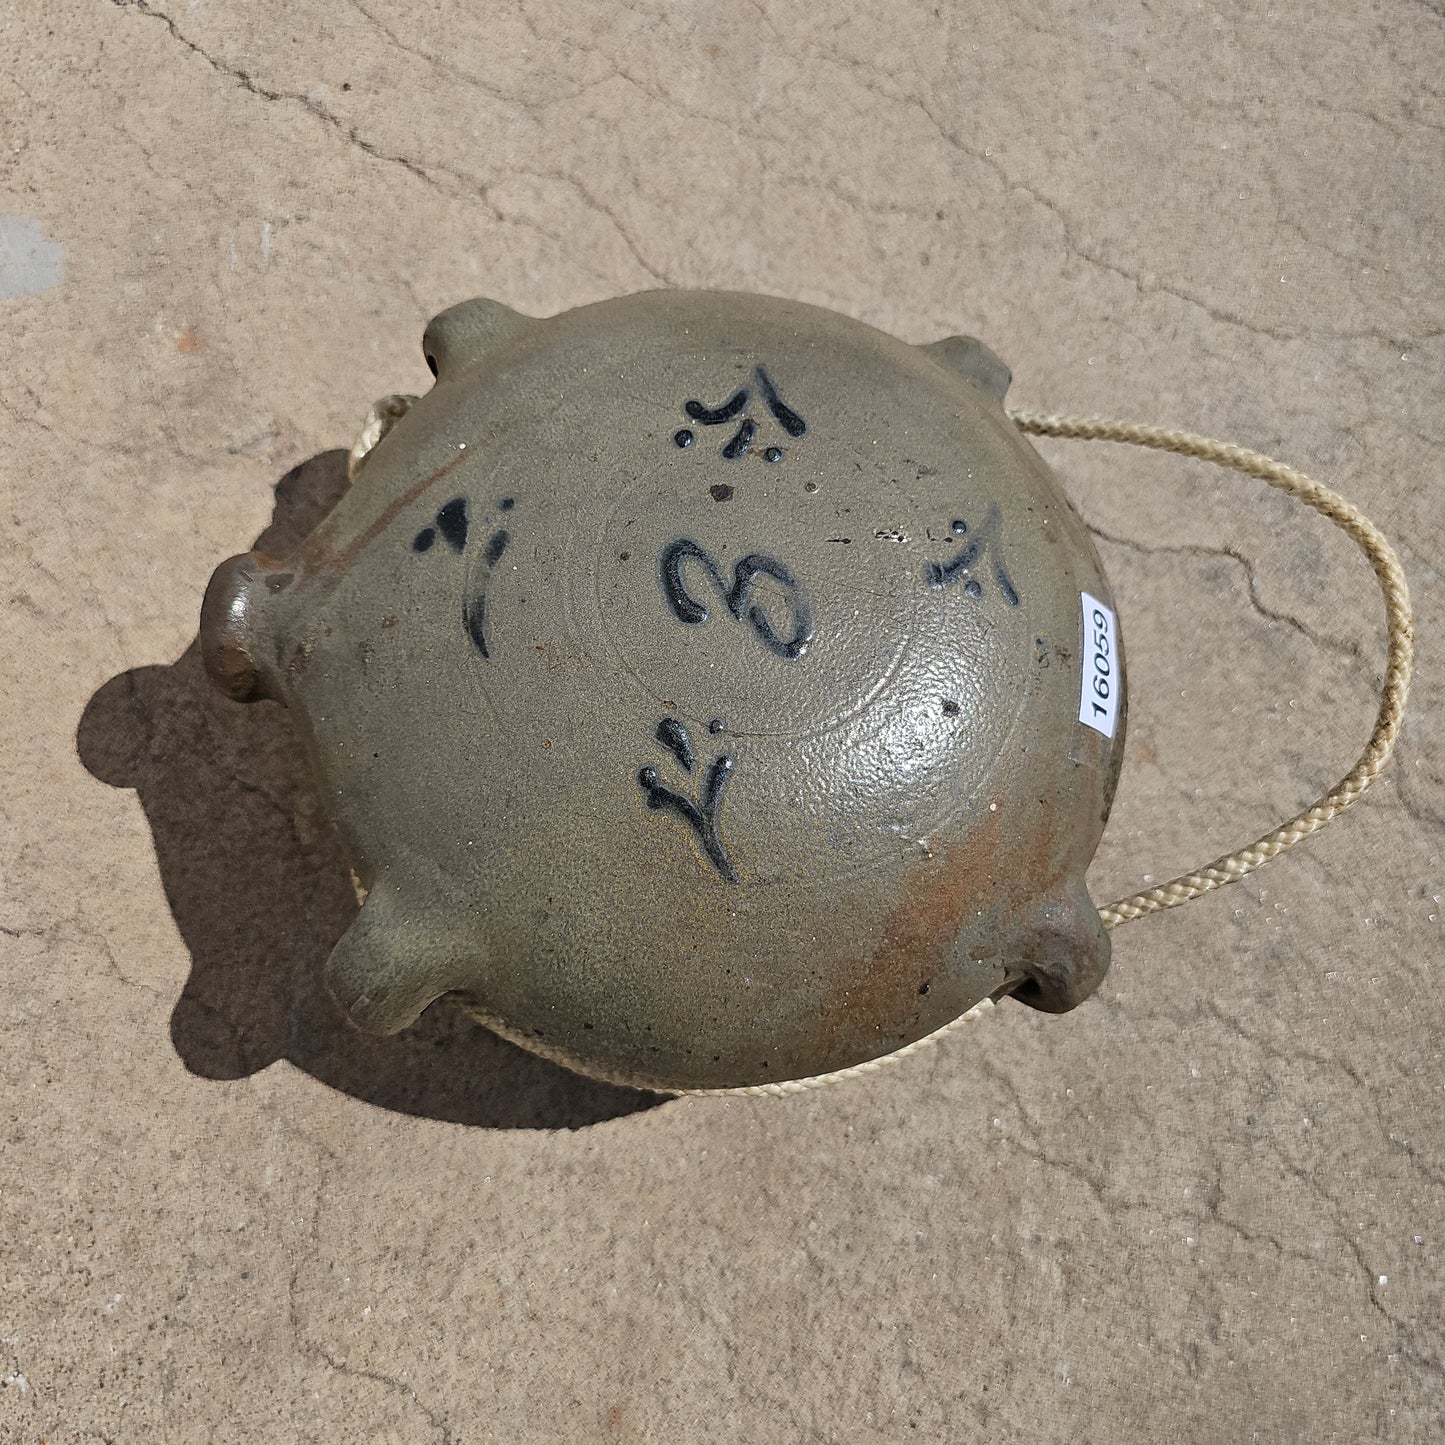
[(1208, 1206)]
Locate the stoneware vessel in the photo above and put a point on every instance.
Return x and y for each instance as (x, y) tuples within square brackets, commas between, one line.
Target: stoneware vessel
[(710, 690)]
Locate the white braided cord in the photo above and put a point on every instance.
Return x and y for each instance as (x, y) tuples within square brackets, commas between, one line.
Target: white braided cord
[(1400, 645)]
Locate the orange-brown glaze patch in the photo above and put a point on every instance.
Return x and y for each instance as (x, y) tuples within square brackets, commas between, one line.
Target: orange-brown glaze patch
[(312, 553), (999, 869), (875, 996), (188, 341)]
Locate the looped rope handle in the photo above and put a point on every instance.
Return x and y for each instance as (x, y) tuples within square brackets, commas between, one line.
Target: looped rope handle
[(1400, 643), (1228, 869)]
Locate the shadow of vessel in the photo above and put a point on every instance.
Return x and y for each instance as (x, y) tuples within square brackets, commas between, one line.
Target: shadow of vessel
[(260, 891)]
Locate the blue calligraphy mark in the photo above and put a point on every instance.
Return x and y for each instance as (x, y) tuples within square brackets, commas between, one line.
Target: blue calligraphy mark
[(452, 524), (716, 415), (701, 816), (984, 541), (741, 441), (783, 414), (737, 597)]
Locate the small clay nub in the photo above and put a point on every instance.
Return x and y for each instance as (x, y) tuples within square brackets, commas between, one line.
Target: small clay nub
[(1065, 952), (467, 332), (970, 358), (389, 965), (231, 625)]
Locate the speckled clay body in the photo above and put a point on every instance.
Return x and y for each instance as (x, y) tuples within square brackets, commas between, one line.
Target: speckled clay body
[(696, 682)]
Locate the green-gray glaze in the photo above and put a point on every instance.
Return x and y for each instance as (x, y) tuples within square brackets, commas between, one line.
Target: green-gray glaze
[(705, 749)]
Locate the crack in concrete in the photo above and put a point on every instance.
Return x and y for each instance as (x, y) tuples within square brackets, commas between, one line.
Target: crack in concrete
[(563, 178), (463, 186), (251, 85), (1233, 107), (1414, 808), (1402, 1328), (1212, 1216), (314, 1349), (1236, 1029), (1426, 815), (437, 1421), (1143, 285), (1031, 1147), (1350, 650), (113, 969), (1184, 1021), (438, 63)]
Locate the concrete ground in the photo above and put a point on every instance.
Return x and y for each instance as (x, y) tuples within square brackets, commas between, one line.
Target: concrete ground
[(1208, 1206)]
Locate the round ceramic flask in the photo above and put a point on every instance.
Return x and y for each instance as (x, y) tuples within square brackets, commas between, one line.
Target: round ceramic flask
[(710, 690)]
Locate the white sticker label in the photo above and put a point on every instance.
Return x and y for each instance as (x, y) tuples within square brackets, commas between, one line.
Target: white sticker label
[(1102, 679)]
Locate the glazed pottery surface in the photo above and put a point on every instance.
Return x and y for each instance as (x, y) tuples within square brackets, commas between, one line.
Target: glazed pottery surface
[(701, 684)]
